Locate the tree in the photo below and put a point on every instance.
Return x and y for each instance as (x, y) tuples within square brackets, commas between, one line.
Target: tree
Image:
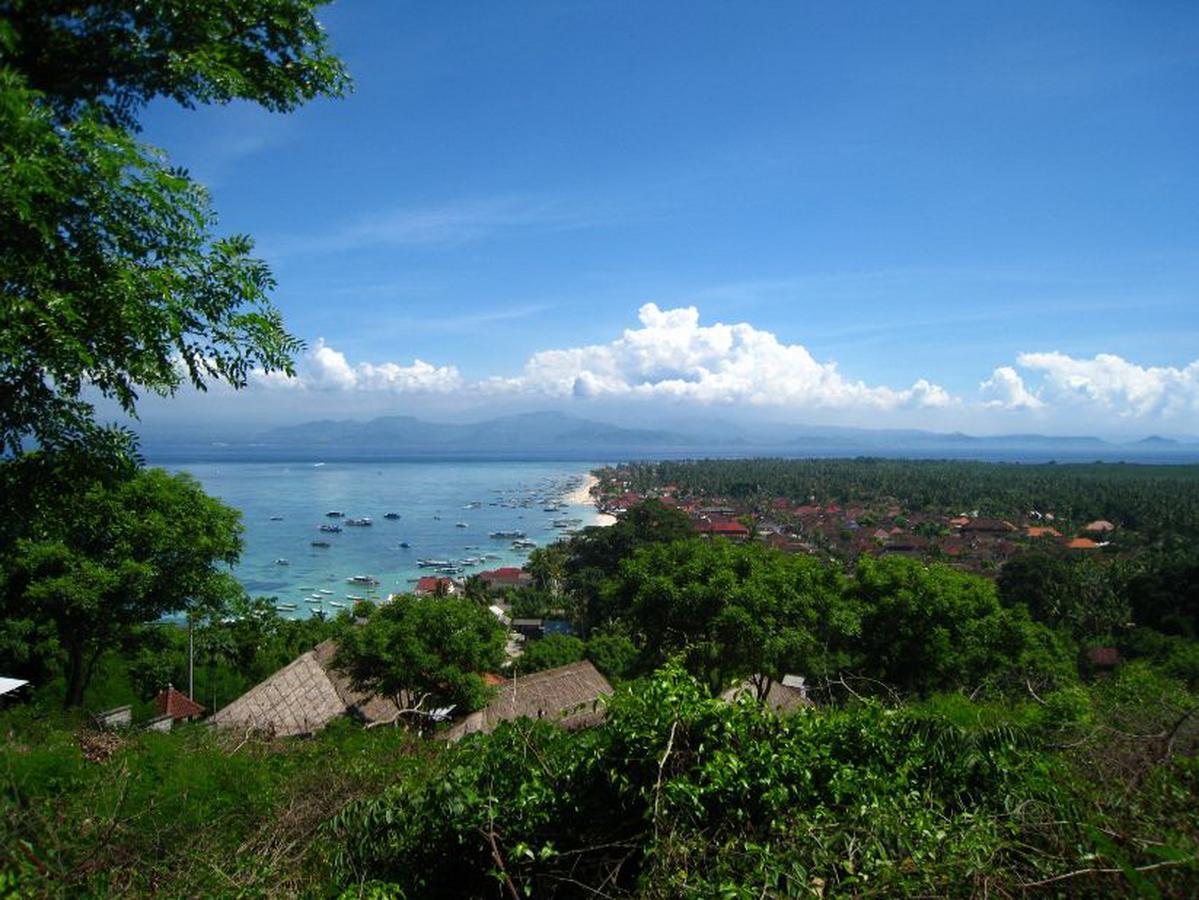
[(732, 611), (131, 550), (1079, 594), (548, 653), (931, 627), (111, 276), (424, 645)]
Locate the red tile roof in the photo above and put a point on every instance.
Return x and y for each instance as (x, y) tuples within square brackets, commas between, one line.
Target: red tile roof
[(177, 705), (1082, 544)]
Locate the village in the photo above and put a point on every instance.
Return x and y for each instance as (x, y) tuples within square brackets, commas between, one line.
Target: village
[(966, 540)]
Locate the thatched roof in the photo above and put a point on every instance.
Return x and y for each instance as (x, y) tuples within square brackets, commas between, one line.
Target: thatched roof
[(568, 695), (302, 697), (781, 697)]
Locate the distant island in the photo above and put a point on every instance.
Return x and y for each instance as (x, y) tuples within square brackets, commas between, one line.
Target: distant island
[(557, 435)]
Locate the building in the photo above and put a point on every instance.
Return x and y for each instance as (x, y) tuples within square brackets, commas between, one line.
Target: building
[(568, 695), (506, 578), (1037, 531), (303, 697), (1082, 543), (431, 584), (1099, 526), (783, 696), (177, 706), (530, 629), (987, 526)]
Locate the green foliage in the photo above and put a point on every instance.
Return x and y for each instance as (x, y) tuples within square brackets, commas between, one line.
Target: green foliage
[(549, 652), (432, 644), (732, 610), (613, 653), (1077, 594), (931, 627), (133, 549), (111, 275), (191, 813), (677, 794)]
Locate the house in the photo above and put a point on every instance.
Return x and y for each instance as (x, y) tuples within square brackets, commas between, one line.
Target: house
[(177, 705), (505, 578), (783, 696), (1099, 526), (1037, 531), (431, 584), (1082, 543), (987, 526), (959, 521), (302, 698), (728, 528), (530, 629), (9, 685), (568, 695)]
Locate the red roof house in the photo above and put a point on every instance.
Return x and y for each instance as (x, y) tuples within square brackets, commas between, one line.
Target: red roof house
[(177, 705), (506, 577), (431, 584)]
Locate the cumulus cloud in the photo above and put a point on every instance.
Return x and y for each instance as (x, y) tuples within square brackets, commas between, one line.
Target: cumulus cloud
[(671, 355), (326, 369), (1116, 385), (1005, 389)]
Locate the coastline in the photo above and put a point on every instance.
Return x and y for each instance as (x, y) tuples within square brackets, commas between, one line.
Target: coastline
[(581, 496)]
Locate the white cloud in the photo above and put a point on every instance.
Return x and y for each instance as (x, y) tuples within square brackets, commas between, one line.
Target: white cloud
[(1115, 385), (673, 356), (326, 369), (1005, 389)]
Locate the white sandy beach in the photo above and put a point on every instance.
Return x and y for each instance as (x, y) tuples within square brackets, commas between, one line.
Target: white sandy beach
[(581, 496)]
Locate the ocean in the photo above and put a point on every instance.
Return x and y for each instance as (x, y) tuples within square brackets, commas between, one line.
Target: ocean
[(446, 512)]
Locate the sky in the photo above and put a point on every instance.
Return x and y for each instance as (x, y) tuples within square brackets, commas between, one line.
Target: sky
[(958, 216)]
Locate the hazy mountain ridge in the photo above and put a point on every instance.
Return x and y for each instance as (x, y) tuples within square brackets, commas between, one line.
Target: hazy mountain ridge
[(547, 431)]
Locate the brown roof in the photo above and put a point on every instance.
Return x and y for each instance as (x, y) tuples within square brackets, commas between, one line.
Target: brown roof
[(1082, 544), (1043, 531), (779, 698), (302, 697), (567, 695), (176, 704), (1100, 525)]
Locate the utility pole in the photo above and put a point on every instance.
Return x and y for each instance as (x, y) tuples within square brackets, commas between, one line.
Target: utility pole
[(191, 658)]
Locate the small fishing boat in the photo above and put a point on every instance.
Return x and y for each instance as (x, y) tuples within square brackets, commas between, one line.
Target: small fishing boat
[(331, 529), (276, 518), (282, 562), (335, 514), (461, 525), (405, 544), (360, 522), (355, 598), (507, 534), (324, 591), (321, 544), (362, 579), (337, 603), (391, 515)]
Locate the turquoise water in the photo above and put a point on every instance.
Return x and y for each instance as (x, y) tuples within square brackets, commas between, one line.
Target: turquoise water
[(431, 498)]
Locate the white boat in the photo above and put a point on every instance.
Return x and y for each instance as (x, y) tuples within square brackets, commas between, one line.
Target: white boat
[(282, 562), (360, 522), (507, 534), (337, 603), (332, 529), (362, 579), (324, 591)]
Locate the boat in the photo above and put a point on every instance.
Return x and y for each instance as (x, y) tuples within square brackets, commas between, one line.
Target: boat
[(332, 529), (507, 534), (360, 522), (285, 606), (433, 563), (337, 603), (450, 570), (461, 525), (276, 518), (334, 514), (405, 544), (391, 515), (362, 579), (355, 598), (523, 545), (282, 562), (324, 591), (321, 544)]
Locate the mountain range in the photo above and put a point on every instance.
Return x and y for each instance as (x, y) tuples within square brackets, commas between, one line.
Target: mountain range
[(550, 435)]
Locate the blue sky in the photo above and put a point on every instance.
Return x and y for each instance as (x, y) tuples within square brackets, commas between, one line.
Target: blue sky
[(886, 204)]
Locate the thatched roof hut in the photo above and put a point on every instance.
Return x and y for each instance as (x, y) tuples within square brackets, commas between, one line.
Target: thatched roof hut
[(568, 695), (302, 697)]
